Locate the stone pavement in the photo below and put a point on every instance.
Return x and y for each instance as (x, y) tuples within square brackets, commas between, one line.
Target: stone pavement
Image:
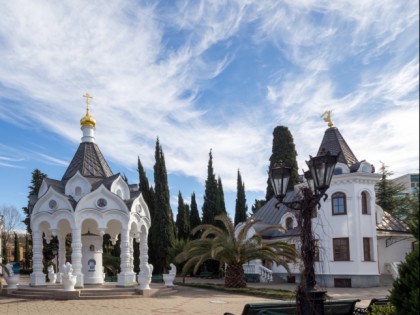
[(186, 301)]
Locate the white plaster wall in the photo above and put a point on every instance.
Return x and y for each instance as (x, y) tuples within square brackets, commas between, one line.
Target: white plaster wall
[(393, 253)]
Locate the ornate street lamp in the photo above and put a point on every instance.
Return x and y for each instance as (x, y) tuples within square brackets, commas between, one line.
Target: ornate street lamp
[(321, 168)]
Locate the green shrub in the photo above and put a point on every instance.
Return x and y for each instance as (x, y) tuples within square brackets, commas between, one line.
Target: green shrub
[(382, 310)]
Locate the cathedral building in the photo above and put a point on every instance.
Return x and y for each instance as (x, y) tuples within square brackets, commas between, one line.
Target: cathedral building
[(357, 243), (88, 202)]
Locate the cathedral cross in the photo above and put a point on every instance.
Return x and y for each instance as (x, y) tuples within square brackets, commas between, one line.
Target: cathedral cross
[(87, 100)]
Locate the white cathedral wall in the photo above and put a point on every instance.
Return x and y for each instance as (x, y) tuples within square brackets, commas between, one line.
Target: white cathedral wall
[(393, 253), (354, 226)]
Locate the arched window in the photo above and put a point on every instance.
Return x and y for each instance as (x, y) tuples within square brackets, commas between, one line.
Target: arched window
[(365, 203), (338, 171), (119, 193), (289, 223), (78, 191), (339, 206)]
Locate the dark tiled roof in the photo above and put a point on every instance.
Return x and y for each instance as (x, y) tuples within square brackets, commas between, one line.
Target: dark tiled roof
[(269, 214), (391, 224), (89, 161), (56, 184), (334, 142), (107, 182)]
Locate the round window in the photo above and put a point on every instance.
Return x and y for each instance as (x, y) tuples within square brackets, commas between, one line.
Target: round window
[(52, 204), (101, 203)]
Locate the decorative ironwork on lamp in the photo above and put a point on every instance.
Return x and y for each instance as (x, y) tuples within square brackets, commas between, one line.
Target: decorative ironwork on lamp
[(318, 178)]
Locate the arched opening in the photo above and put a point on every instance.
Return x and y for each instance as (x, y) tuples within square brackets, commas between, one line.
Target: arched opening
[(365, 203), (339, 205)]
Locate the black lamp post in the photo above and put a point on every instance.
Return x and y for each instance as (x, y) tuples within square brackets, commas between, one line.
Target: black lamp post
[(321, 168)]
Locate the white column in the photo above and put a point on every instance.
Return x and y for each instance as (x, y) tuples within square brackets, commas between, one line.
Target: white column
[(61, 255), (76, 256), (133, 274), (37, 276), (125, 277), (146, 269)]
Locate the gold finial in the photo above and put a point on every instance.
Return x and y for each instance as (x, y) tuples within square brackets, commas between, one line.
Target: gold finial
[(327, 113), (87, 120)]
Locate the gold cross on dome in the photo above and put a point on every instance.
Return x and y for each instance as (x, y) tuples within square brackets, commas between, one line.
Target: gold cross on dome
[(87, 100)]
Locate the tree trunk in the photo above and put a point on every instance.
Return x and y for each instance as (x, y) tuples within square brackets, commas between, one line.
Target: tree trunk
[(235, 276)]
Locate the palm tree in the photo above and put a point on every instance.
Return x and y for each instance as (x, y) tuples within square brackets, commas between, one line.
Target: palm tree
[(234, 250)]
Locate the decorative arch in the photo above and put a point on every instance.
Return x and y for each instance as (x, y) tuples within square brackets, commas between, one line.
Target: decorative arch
[(339, 203), (365, 202), (365, 167), (52, 201), (103, 200), (120, 188), (77, 186), (341, 168), (43, 189), (139, 207), (286, 219)]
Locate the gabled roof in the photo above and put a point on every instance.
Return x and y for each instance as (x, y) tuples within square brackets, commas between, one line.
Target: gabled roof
[(269, 214), (107, 182), (56, 184), (89, 161), (334, 142), (391, 224)]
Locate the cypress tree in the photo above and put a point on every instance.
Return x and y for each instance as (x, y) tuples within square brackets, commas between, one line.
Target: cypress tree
[(221, 206), (163, 226), (210, 194), (241, 207), (144, 186), (283, 150), (182, 219), (37, 178), (148, 196), (194, 215), (16, 253)]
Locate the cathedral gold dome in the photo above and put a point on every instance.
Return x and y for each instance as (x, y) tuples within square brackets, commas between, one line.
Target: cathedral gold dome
[(87, 120)]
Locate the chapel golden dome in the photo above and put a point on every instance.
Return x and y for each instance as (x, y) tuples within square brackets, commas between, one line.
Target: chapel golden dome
[(87, 120)]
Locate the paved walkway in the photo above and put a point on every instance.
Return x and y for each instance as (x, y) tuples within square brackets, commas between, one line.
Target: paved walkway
[(186, 301)]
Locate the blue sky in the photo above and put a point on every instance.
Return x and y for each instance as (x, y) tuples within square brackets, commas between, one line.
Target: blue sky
[(204, 75)]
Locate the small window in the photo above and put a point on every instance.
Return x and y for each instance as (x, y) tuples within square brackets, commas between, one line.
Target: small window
[(338, 171), (367, 253), (339, 206), (341, 249), (342, 282), (78, 191), (119, 193), (365, 169), (365, 203), (289, 223)]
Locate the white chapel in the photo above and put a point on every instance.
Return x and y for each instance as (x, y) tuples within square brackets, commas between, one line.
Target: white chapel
[(88, 202)]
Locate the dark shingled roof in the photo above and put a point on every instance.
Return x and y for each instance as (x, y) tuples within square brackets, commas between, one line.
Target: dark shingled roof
[(107, 182), (269, 214), (89, 161), (56, 184), (334, 142)]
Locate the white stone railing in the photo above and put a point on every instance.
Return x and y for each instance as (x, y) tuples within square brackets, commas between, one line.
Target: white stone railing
[(393, 269), (266, 275)]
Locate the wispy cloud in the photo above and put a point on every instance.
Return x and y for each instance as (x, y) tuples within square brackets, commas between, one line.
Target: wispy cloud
[(157, 71)]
